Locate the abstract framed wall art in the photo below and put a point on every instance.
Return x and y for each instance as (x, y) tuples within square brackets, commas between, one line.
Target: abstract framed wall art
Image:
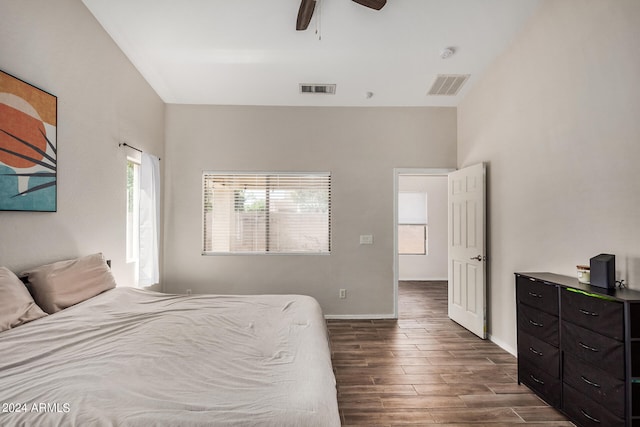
[(28, 147)]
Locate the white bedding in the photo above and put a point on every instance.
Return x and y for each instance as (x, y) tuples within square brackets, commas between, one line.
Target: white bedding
[(136, 358)]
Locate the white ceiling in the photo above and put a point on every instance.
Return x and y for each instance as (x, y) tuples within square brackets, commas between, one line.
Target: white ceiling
[(247, 52)]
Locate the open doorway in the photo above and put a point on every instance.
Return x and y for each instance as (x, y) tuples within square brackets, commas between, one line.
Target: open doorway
[(420, 221)]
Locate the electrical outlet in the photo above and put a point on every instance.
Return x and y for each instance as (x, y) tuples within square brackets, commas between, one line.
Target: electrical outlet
[(343, 293), (188, 291)]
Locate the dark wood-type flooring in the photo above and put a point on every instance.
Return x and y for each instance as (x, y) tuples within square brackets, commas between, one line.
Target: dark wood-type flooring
[(425, 369)]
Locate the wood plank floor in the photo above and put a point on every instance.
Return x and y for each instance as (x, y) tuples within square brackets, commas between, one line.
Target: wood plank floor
[(424, 369)]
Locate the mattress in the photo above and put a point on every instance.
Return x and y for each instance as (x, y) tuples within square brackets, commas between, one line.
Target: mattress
[(130, 357)]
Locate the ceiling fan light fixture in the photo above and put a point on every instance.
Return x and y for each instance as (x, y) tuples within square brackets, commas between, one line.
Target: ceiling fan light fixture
[(305, 12)]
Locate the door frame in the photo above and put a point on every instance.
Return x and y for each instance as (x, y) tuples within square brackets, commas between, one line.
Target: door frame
[(396, 259)]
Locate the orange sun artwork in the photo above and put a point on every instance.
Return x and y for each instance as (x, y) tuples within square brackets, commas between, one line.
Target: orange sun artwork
[(28, 147)]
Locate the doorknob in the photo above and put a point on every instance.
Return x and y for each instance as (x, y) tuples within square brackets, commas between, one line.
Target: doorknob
[(478, 258)]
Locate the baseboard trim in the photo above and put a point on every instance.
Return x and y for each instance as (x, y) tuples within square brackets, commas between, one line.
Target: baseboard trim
[(424, 280), (506, 347), (359, 317)]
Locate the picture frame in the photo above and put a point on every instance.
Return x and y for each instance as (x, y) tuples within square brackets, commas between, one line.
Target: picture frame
[(28, 146)]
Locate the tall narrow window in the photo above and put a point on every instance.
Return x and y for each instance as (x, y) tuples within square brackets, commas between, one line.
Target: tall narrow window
[(133, 210), (266, 212)]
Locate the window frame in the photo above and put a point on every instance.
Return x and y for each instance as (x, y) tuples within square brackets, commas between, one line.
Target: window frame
[(414, 218), (425, 239), (326, 252)]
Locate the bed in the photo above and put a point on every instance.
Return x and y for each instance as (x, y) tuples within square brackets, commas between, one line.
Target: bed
[(130, 357)]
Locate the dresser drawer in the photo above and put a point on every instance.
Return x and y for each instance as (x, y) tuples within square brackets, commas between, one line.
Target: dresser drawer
[(538, 323), (541, 354), (537, 294), (543, 384), (601, 351), (594, 383), (603, 316), (585, 412)]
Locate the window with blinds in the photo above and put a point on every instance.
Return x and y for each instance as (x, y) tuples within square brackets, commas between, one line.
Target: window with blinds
[(261, 213)]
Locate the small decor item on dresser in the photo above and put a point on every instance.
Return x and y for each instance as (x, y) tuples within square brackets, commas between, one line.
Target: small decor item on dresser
[(603, 271), (584, 274)]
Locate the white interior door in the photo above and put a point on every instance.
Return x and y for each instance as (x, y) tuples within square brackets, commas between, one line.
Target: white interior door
[(467, 257)]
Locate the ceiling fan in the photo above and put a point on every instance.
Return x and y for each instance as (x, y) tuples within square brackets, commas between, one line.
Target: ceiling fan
[(307, 6)]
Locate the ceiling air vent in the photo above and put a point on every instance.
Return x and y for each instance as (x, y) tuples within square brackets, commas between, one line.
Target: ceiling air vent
[(448, 84), (315, 88)]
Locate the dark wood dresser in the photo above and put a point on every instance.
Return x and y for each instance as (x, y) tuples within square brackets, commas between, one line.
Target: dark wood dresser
[(579, 348)]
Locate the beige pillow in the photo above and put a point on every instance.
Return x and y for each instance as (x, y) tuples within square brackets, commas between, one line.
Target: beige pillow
[(16, 305), (62, 284)]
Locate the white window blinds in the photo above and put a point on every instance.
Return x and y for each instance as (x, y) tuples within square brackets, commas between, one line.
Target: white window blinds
[(266, 212)]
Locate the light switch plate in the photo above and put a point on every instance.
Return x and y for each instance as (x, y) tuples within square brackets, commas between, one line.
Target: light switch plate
[(366, 239)]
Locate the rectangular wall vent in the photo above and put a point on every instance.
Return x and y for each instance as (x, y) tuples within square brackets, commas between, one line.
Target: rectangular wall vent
[(328, 89), (448, 84)]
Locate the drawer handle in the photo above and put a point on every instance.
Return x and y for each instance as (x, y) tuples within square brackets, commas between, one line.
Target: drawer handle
[(534, 351), (536, 324), (588, 313), (595, 420), (587, 347), (591, 383), (533, 294), (535, 379)]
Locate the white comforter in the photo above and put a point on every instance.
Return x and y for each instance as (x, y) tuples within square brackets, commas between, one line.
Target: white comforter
[(135, 358)]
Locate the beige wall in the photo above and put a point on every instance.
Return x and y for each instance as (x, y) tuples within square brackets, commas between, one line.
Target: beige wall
[(359, 146), (102, 99), (556, 118)]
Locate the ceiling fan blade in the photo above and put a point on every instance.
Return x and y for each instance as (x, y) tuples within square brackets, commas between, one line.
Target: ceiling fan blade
[(305, 13), (373, 4)]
